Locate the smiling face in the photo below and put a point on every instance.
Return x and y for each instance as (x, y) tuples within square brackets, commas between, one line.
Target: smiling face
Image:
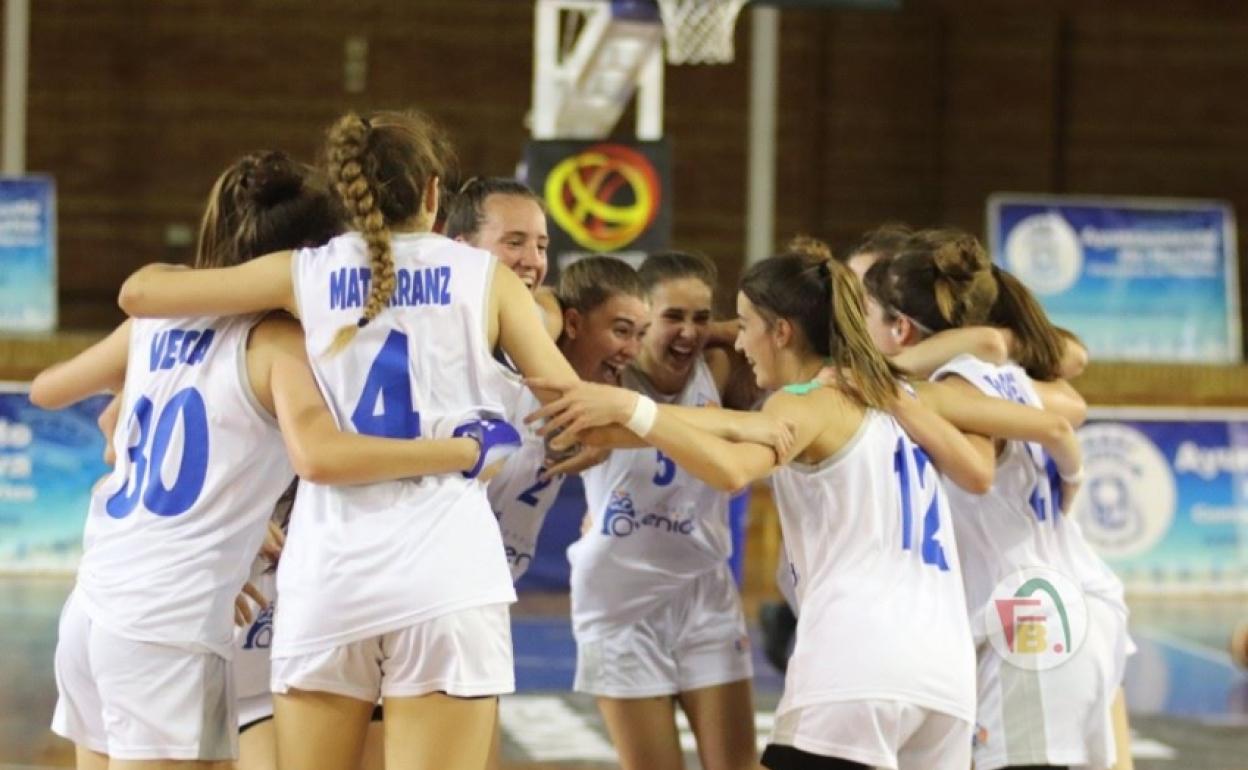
[(681, 313), (513, 228), (604, 340), (757, 343)]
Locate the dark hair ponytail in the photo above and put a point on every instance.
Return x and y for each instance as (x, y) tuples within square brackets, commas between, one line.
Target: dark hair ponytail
[(1038, 344), (264, 202)]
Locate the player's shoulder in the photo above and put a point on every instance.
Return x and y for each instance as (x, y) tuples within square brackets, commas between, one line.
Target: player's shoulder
[(277, 330)]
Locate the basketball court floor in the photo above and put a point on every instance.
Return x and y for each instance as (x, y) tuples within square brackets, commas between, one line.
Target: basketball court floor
[(1189, 705)]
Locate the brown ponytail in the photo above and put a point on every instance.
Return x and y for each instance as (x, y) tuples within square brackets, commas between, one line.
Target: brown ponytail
[(380, 168), (1038, 344), (821, 297), (264, 202), (873, 377)]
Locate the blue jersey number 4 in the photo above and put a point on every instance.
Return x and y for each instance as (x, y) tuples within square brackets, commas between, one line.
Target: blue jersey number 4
[(385, 407), (909, 463)]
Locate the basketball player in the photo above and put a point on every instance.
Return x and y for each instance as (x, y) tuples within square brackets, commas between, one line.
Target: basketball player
[(1053, 717), (396, 590)]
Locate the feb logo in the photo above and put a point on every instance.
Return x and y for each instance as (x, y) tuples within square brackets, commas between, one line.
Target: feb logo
[(603, 197), (1036, 619)]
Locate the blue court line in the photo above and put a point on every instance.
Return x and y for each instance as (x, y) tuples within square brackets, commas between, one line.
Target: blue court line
[(1178, 677)]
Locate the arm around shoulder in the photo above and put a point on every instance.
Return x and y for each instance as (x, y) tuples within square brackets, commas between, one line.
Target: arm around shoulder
[(169, 291), (319, 450)]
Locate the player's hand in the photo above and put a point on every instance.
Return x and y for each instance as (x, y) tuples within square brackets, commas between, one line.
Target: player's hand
[(274, 542), (107, 422), (759, 428), (580, 406), (586, 457), (243, 614), (1069, 491)]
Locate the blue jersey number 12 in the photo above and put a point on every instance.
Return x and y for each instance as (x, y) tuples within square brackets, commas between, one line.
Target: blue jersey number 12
[(909, 462)]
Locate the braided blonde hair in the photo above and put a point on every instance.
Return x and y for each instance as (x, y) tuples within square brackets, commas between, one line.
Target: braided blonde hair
[(380, 168)]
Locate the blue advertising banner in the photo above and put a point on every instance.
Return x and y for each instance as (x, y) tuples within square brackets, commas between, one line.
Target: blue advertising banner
[(27, 254), (1165, 502), (1136, 279), (48, 463)]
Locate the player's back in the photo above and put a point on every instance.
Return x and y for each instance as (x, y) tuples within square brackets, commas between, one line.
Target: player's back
[(1019, 523), (365, 559), (170, 534), (882, 616)]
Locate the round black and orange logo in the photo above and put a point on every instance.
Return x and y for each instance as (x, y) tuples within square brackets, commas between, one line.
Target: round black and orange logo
[(603, 197)]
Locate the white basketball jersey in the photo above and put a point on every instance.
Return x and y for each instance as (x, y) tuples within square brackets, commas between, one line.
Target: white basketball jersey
[(171, 534), (881, 612), (653, 526), (1018, 523), (364, 560), (519, 499)]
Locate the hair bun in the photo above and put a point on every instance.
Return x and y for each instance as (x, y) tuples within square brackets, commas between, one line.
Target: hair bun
[(961, 257), (963, 267), (271, 179), (810, 248)]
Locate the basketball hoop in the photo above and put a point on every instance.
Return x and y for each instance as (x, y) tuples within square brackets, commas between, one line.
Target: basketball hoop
[(699, 31)]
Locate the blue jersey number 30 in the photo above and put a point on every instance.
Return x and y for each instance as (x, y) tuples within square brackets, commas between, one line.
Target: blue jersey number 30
[(146, 460)]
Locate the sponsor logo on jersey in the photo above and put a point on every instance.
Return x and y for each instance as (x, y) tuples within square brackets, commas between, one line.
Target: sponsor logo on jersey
[(621, 519), (1127, 504), (1037, 619), (260, 635), (518, 557)]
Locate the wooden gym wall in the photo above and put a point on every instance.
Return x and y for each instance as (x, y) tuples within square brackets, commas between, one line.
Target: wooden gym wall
[(917, 115)]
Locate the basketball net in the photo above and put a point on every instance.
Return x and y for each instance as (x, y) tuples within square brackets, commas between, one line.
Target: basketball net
[(699, 31)]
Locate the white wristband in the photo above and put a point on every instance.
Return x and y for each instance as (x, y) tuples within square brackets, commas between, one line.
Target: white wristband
[(1074, 478), (645, 412)]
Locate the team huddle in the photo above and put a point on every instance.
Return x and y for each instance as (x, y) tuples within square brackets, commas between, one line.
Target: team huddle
[(393, 347)]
